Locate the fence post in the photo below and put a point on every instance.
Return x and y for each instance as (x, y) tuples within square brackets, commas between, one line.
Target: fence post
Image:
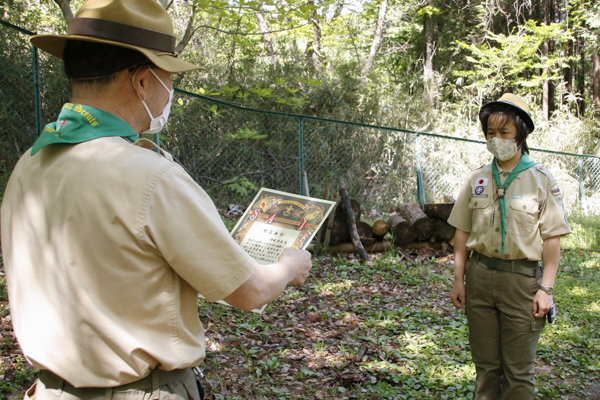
[(420, 188), (37, 90), (301, 152), (581, 191)]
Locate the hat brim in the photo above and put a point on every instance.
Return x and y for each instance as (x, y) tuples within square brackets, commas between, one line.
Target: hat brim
[(55, 45), (522, 113)]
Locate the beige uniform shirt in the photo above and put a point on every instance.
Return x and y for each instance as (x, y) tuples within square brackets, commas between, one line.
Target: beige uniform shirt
[(534, 211), (106, 246)]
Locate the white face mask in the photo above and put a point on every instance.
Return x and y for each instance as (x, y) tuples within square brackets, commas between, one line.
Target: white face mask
[(502, 149), (156, 124)]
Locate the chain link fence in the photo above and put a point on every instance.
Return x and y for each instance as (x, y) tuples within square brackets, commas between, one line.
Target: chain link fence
[(19, 104), (232, 151)]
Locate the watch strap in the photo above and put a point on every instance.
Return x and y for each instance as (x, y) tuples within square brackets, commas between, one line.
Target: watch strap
[(548, 290)]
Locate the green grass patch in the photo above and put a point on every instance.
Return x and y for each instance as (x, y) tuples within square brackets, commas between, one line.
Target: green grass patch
[(585, 234)]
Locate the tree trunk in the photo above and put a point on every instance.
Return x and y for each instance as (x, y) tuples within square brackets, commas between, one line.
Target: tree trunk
[(330, 222), (65, 7), (262, 25), (338, 10), (377, 39), (442, 230), (548, 48), (440, 211), (339, 231), (380, 228), (596, 82), (581, 78), (189, 32), (352, 223), (316, 55), (401, 230), (377, 247), (341, 210), (429, 45), (568, 73), (417, 219), (364, 230)]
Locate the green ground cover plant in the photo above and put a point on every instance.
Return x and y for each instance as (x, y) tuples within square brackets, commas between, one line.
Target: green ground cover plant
[(381, 331)]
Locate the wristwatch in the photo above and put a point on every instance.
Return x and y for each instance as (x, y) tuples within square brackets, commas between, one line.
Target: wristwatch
[(548, 290)]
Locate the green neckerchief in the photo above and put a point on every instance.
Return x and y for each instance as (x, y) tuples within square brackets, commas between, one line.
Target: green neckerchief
[(524, 163), (78, 123)]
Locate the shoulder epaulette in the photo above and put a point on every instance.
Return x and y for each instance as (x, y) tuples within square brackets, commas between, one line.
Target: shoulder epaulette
[(545, 172)]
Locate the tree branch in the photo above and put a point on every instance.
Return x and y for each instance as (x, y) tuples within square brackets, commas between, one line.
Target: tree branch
[(65, 7), (262, 24), (189, 32), (377, 40)]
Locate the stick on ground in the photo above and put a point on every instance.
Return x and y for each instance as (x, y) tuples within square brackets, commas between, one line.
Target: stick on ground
[(352, 224)]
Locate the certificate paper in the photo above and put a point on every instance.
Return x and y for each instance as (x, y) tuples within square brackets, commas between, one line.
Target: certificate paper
[(276, 220)]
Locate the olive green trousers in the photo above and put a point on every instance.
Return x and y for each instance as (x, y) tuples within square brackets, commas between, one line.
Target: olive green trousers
[(503, 332)]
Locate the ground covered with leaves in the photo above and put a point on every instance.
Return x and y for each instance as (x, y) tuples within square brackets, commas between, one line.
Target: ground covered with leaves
[(384, 330), (388, 331)]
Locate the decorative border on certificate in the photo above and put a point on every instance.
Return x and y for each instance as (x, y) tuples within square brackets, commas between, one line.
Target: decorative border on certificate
[(276, 220)]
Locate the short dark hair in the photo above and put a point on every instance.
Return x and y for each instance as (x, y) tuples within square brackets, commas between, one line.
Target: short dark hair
[(506, 113), (91, 62)]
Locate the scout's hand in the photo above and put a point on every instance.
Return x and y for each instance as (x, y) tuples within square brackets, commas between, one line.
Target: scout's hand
[(541, 303), (459, 299), (298, 264)]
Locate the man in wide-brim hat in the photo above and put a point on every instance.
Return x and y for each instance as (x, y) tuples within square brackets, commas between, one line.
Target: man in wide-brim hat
[(107, 243)]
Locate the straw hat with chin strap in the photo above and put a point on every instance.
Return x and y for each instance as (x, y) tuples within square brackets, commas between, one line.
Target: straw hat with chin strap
[(141, 25)]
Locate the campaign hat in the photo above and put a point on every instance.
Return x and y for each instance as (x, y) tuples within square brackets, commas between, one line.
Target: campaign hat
[(141, 25), (518, 104)]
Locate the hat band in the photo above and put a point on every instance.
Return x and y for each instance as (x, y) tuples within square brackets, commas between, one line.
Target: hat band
[(123, 33)]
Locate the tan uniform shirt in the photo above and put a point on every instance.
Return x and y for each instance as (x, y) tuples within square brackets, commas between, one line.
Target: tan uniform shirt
[(106, 246), (534, 211)]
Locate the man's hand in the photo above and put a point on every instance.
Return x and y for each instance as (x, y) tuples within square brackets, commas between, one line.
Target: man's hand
[(298, 263), (458, 296), (269, 281), (542, 302)]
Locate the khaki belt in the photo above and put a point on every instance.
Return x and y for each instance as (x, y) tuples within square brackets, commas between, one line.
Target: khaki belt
[(153, 381), (529, 268)]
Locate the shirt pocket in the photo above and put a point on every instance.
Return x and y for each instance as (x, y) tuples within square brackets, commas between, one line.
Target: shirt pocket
[(482, 215), (522, 216)]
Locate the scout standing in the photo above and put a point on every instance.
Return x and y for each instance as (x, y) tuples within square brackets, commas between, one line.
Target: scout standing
[(510, 215)]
